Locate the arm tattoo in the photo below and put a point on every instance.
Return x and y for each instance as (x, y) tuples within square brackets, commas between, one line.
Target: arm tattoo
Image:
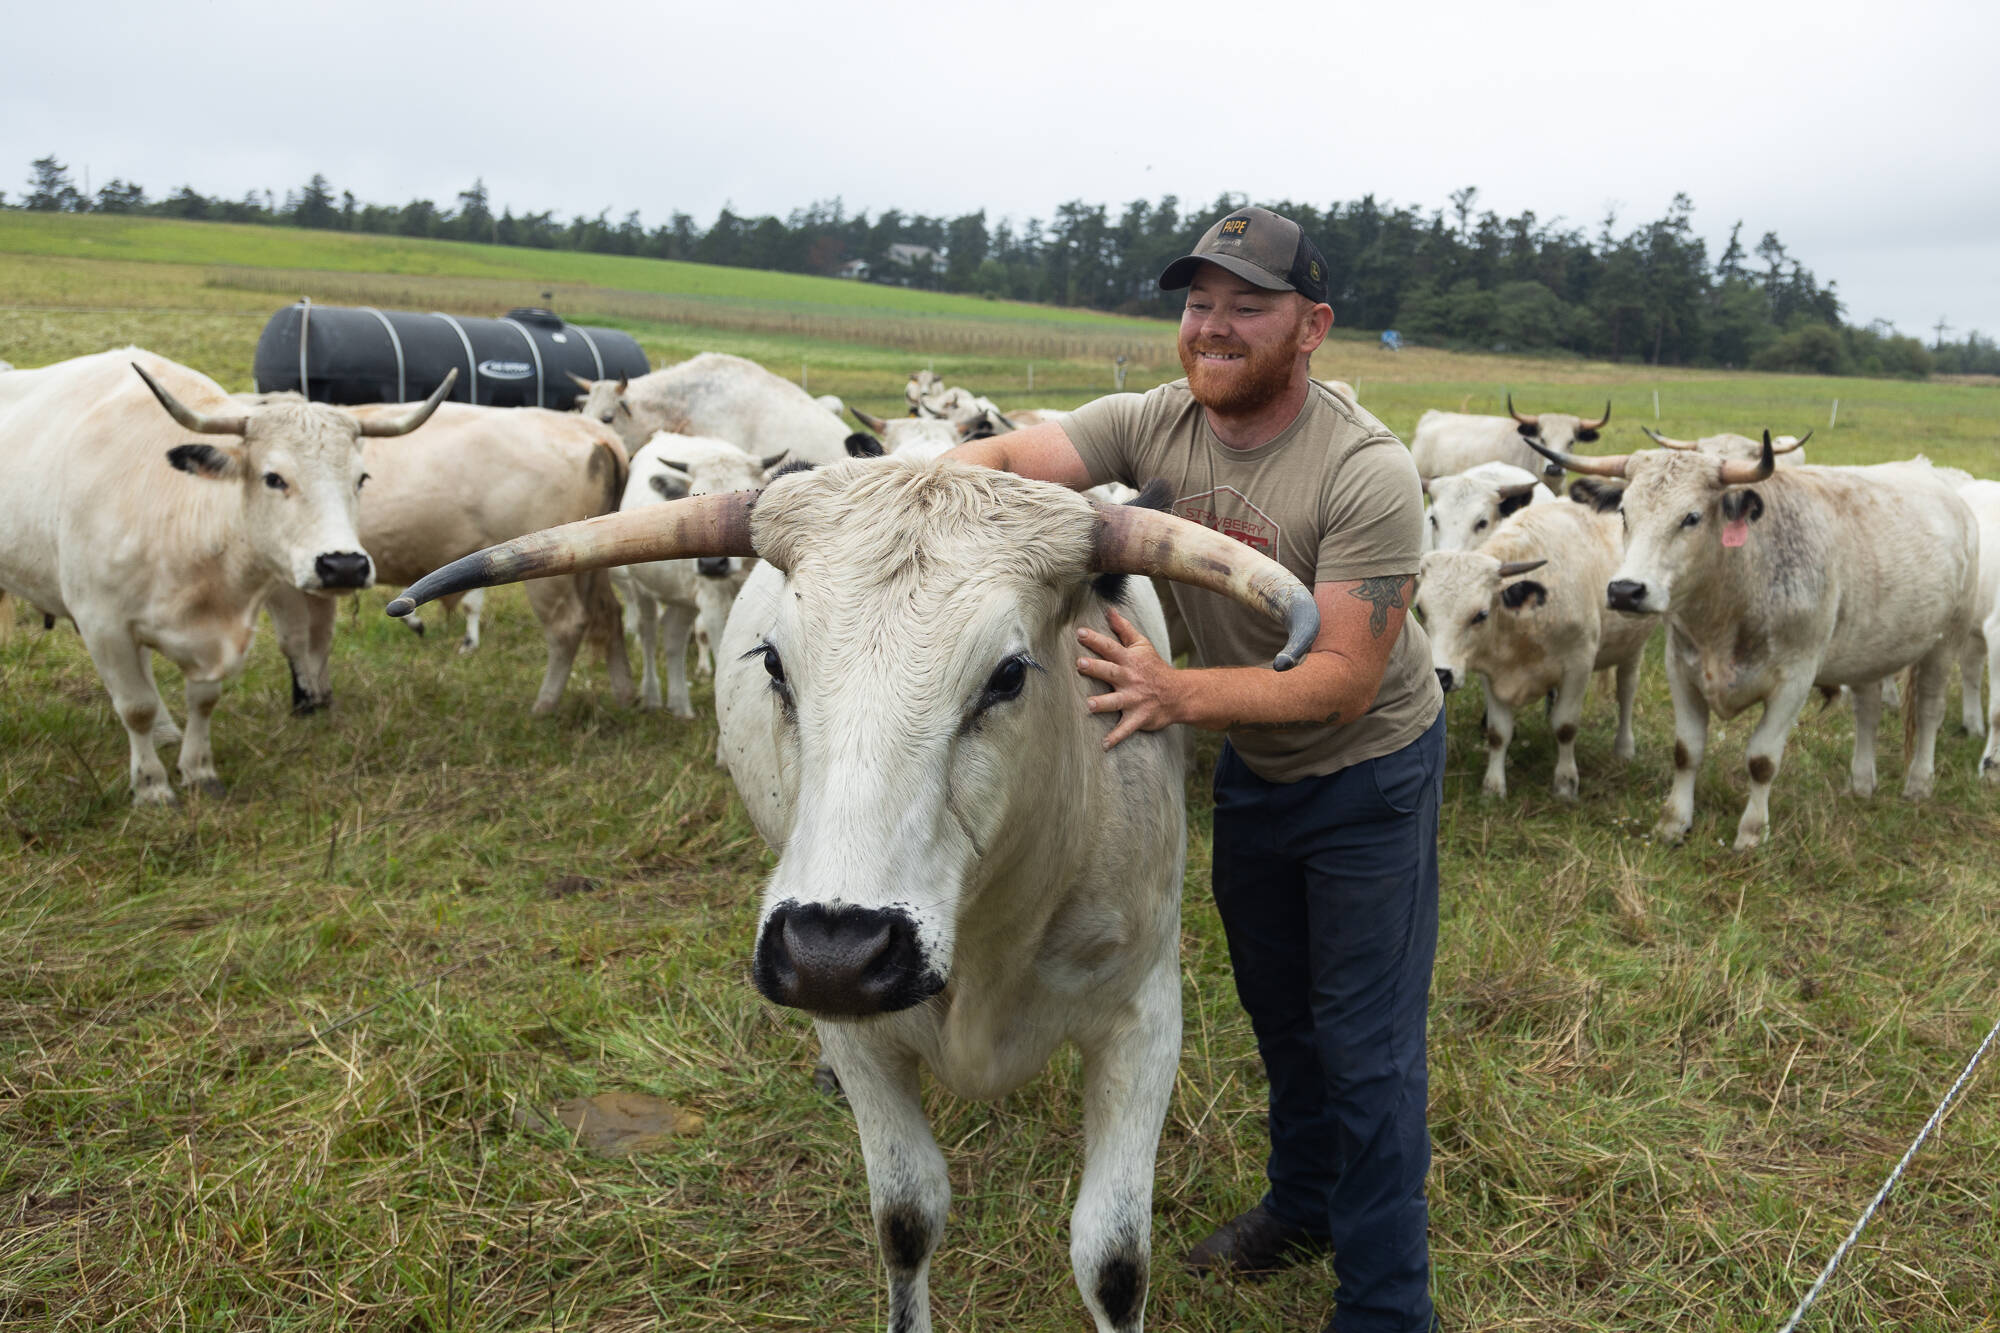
[(1383, 592)]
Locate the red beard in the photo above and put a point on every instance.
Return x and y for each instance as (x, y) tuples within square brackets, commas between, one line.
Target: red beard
[(1239, 387)]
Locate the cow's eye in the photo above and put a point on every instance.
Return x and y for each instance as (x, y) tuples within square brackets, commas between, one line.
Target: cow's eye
[(1691, 521), (1480, 526), (274, 481), (363, 482), (1477, 618), (774, 666), (1006, 681)]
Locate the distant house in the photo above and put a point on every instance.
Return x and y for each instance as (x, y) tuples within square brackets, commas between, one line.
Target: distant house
[(919, 257), (853, 268)]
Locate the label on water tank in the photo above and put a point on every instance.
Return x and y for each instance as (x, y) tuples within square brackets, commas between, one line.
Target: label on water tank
[(506, 370)]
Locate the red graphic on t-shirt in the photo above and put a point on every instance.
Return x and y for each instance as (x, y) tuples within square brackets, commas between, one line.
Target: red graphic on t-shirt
[(1230, 513)]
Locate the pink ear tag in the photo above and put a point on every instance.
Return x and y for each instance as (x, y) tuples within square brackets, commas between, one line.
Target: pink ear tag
[(1735, 532)]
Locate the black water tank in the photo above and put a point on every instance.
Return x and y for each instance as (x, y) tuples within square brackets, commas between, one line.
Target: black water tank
[(340, 354)]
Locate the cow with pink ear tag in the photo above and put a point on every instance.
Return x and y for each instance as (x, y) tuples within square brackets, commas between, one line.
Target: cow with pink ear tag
[(1775, 584)]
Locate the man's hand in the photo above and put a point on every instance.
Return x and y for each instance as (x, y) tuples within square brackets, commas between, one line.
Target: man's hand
[(1142, 684)]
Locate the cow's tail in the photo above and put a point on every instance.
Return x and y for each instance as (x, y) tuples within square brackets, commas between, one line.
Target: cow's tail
[(604, 619), (1907, 684)]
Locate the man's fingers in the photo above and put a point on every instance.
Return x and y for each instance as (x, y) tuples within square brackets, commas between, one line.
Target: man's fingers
[(1099, 669), (1117, 701), (1128, 633), (1101, 644), (1127, 724)]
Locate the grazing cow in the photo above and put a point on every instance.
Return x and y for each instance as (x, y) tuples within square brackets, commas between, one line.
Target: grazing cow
[(477, 476), (966, 879), (722, 397), (683, 593), (1530, 636), (923, 383), (1776, 583), (1467, 507), (151, 542), (1790, 449), (925, 437), (1448, 442)]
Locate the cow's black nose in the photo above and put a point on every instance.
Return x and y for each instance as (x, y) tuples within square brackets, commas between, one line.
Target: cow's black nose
[(841, 960), (343, 569), (1624, 594), (712, 566), (1445, 678)]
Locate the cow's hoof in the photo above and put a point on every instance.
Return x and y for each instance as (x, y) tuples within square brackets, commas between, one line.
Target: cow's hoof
[(210, 787), (1496, 790), (649, 705), (827, 1081), (1989, 769), (1862, 787), (684, 714), (157, 794), (1564, 788), (1915, 790), (1671, 830)]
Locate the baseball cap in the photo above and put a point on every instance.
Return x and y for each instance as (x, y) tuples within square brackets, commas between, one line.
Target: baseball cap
[(1260, 247)]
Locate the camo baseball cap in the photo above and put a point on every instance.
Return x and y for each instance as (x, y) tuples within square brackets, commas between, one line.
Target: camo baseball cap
[(1260, 247)]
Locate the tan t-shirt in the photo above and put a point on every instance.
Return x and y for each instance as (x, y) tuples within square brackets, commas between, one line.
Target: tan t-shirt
[(1334, 498)]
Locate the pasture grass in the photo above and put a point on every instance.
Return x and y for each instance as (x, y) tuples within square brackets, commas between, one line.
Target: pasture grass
[(266, 1060)]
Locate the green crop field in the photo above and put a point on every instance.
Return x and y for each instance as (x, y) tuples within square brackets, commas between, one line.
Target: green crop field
[(288, 1058)]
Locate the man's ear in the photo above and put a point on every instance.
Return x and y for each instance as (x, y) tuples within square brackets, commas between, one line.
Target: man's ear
[(1515, 595), (207, 460)]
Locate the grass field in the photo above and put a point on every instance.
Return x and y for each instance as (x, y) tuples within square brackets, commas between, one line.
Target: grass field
[(272, 1060)]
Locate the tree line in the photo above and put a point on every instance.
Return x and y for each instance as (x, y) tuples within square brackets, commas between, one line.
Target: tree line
[(1455, 276)]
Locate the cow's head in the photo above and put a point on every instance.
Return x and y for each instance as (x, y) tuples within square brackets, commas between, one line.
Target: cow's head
[(1467, 599), (919, 681), (1557, 431), (298, 467), (1467, 506), (603, 400), (673, 467), (1684, 513), (1789, 449)]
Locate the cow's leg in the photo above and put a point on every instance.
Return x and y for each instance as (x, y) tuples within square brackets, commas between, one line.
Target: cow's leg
[(473, 605), (1690, 743), (713, 598), (164, 730), (1867, 718), (1989, 762), (1971, 666), (676, 624), (704, 653), (1765, 751), (1128, 1077), (1499, 731), (1628, 692), (1892, 693), (197, 762), (1929, 689), (648, 613), (556, 605), (304, 625), (127, 676), (1566, 716), (908, 1190)]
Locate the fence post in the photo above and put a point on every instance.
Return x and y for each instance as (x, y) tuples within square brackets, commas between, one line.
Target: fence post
[(805, 381), (1656, 404), (1834, 415), (1031, 377)]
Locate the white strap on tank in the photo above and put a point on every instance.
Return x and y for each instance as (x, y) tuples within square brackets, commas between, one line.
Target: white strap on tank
[(402, 383), (305, 327), (534, 351), (589, 342), (472, 390)]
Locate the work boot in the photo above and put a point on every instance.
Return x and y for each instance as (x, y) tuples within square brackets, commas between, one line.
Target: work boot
[(1254, 1244)]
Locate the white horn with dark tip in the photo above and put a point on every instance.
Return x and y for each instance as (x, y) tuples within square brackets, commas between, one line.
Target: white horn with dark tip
[(1735, 472), (1513, 569), (1131, 540), (201, 423), (875, 424), (1611, 465), (417, 415), (1667, 442)]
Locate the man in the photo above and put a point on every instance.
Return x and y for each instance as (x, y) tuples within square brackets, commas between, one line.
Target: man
[(1327, 790)]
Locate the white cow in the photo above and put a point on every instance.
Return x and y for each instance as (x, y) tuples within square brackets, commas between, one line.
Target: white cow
[(925, 437), (477, 476), (1777, 583), (1448, 442), (966, 878), (1530, 636), (679, 594), (151, 542), (1467, 507), (723, 397)]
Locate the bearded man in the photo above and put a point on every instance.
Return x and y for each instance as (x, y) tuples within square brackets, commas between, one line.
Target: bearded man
[(1328, 786)]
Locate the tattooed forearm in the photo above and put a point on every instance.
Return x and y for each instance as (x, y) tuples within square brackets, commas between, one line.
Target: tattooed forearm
[(1383, 593)]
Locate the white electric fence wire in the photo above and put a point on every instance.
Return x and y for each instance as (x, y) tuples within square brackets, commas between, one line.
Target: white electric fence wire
[(1890, 1183)]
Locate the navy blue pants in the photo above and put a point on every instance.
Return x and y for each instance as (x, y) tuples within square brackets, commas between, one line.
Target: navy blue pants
[(1328, 891)]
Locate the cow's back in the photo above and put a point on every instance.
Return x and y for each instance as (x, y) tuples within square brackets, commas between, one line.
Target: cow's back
[(737, 400), (1448, 442)]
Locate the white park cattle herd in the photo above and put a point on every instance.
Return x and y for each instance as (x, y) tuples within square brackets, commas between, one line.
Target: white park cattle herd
[(1449, 442)]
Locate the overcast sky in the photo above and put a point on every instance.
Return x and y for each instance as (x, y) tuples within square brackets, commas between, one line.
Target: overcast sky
[(1865, 135)]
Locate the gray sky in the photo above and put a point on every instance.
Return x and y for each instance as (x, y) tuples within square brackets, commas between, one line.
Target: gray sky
[(1860, 133)]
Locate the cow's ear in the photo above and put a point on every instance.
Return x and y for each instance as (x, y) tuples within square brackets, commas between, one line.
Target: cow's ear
[(670, 485), (1515, 595), (1601, 496), (1742, 504), (1587, 436), (1531, 428), (206, 460), (860, 444), (1510, 503)]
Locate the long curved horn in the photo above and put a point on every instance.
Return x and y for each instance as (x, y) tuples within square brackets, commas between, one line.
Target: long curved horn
[(1611, 465), (1667, 442), (1735, 472), (1599, 423), (1132, 540), (1513, 569), (581, 382), (1799, 443), (1525, 421), (201, 423), (417, 415), (716, 524), (875, 424)]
